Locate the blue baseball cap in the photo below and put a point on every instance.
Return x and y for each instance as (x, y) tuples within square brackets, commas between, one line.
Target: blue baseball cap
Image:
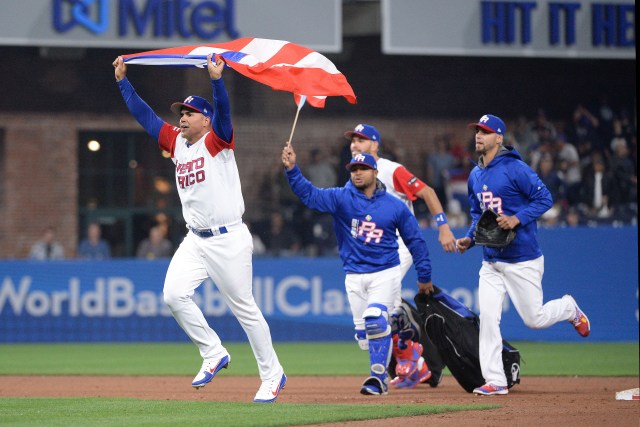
[(364, 131), (363, 159), (491, 123), (195, 103)]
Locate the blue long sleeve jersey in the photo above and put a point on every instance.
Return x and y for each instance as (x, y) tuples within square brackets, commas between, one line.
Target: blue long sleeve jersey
[(149, 120), (366, 228), (510, 187)]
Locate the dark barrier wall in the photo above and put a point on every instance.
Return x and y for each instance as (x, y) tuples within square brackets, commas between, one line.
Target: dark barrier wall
[(303, 299)]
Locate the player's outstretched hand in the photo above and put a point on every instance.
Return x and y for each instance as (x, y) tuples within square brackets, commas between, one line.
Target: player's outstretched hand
[(288, 157), (215, 66), (120, 68), (463, 244)]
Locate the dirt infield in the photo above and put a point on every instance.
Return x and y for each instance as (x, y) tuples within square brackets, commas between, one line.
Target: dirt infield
[(549, 401)]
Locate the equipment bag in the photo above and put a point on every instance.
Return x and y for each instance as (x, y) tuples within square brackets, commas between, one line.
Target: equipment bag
[(454, 330)]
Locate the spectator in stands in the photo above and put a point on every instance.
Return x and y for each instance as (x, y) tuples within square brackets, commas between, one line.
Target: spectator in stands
[(47, 248), (624, 175), (321, 172), (282, 240), (437, 164), (155, 246), (605, 116), (93, 246), (572, 218), (550, 177), (544, 130), (598, 189), (323, 238), (569, 168), (584, 128), (315, 228), (538, 152)]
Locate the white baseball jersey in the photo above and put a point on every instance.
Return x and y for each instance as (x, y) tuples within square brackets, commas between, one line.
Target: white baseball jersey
[(207, 179)]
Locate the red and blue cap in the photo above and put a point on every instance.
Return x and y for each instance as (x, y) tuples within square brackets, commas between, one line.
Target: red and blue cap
[(363, 159), (364, 131), (195, 103), (491, 123)]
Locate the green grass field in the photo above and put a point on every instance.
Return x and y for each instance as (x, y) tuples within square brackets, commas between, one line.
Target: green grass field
[(552, 359)]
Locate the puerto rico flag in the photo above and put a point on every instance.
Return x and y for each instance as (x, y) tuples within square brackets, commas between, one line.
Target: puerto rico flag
[(276, 63)]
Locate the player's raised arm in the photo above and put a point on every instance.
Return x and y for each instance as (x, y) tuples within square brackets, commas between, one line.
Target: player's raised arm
[(221, 121), (139, 109)]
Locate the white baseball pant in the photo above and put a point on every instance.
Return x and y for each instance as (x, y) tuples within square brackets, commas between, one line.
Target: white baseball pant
[(382, 287), (522, 281), (226, 259)]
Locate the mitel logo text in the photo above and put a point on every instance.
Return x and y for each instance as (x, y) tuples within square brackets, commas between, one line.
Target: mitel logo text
[(156, 18)]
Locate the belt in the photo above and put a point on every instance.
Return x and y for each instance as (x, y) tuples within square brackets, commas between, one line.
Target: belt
[(215, 231)]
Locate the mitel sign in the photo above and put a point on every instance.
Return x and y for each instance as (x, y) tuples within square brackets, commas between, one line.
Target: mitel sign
[(155, 18)]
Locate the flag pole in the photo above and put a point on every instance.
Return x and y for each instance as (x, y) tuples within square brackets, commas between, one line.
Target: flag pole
[(303, 99)]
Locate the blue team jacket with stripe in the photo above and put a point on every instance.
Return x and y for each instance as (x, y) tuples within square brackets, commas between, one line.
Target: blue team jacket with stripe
[(366, 228)]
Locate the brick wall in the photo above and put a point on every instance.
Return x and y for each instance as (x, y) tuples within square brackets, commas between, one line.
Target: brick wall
[(41, 165)]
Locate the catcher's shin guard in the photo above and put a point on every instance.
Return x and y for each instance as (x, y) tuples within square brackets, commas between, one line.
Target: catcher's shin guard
[(379, 337), (404, 324)]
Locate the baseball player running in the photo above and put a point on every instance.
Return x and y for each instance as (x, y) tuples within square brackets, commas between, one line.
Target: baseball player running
[(503, 182), (404, 185), (218, 244), (365, 219)]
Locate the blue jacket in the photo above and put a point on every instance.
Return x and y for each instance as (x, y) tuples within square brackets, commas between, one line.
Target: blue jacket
[(509, 186), (366, 228)]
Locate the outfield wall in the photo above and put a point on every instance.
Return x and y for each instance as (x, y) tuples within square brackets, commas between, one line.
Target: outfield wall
[(303, 299)]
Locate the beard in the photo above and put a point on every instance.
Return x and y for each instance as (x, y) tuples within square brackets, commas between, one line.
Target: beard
[(360, 186)]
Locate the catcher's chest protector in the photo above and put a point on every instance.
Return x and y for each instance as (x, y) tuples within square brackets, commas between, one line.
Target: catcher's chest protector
[(454, 331)]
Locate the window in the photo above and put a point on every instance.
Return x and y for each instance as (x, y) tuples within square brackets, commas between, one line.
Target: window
[(126, 184)]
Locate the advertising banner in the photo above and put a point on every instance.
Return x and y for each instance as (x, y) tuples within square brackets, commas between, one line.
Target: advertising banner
[(521, 28), (316, 24), (303, 299)]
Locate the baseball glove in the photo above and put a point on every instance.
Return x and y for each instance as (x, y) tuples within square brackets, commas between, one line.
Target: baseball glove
[(488, 232)]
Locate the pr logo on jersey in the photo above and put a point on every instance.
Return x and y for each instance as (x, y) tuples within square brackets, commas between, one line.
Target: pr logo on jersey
[(368, 230), (69, 13), (413, 181), (489, 201)]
